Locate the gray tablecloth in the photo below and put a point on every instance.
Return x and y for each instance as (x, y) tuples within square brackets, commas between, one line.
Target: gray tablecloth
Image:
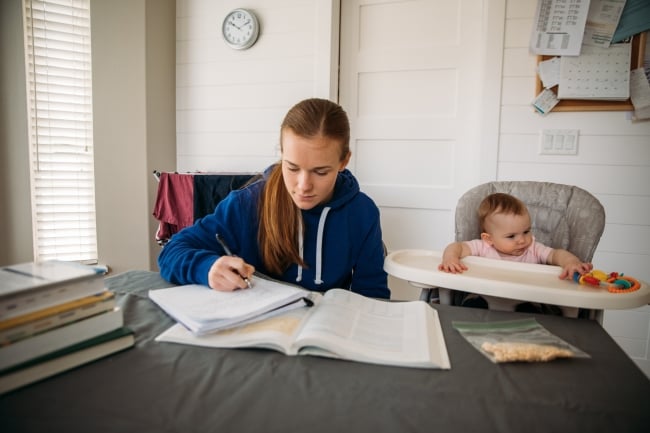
[(163, 387)]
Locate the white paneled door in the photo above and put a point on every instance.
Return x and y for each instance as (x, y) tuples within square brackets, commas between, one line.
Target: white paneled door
[(412, 79)]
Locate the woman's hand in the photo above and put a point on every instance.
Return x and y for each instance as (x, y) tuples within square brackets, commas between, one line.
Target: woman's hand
[(228, 273)]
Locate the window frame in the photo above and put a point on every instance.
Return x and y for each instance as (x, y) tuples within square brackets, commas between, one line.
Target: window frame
[(58, 71)]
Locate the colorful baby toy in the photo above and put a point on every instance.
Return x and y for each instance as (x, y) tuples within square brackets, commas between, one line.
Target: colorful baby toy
[(614, 282)]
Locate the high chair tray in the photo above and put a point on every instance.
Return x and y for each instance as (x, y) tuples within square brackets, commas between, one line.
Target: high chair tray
[(513, 280)]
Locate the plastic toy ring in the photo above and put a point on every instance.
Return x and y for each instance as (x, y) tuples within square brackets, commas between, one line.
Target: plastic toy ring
[(617, 285)]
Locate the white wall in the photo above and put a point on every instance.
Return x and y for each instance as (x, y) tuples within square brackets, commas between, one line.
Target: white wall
[(613, 163), (230, 105), (15, 210), (134, 128)]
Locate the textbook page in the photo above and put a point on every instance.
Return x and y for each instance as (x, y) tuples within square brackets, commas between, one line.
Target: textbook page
[(275, 333), (349, 326), (341, 324)]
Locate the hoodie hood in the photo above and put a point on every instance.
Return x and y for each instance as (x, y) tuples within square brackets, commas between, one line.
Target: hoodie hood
[(345, 189)]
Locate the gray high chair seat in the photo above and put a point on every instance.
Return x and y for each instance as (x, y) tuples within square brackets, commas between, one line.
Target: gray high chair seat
[(562, 216)]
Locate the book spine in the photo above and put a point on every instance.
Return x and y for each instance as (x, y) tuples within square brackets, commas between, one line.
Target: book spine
[(58, 338), (55, 309), (27, 302), (33, 373), (34, 327)]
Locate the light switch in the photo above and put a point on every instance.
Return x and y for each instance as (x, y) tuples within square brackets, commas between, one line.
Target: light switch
[(569, 143), (558, 142), (547, 142)]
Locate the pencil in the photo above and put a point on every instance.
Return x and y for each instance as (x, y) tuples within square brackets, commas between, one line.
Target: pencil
[(225, 247)]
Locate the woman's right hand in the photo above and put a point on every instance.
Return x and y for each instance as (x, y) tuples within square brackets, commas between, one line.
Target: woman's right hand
[(228, 272)]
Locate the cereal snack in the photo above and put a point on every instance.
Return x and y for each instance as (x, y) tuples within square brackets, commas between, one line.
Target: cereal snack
[(522, 340)]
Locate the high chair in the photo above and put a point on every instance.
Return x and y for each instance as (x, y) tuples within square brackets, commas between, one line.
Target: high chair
[(562, 216)]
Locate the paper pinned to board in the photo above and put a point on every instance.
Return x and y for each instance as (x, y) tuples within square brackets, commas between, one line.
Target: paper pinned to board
[(559, 27), (597, 73), (640, 94), (634, 20), (549, 72), (602, 21), (545, 101)]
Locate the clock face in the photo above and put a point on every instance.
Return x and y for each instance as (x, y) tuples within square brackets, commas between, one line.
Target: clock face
[(240, 29)]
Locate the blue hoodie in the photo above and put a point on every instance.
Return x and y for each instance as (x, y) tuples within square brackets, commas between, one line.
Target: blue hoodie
[(342, 245)]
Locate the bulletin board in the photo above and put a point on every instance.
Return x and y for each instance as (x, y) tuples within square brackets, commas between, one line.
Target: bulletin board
[(636, 61)]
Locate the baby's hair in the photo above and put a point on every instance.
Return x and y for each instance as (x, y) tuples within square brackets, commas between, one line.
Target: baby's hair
[(499, 202)]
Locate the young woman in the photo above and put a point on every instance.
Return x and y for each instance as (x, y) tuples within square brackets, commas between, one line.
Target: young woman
[(306, 222)]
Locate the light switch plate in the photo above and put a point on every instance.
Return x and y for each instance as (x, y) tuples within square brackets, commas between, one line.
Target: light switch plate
[(558, 142)]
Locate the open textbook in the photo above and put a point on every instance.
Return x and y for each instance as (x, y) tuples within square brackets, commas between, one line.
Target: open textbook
[(341, 324)]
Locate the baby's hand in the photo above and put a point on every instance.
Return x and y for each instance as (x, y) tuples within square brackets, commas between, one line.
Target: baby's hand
[(452, 266), (573, 267)]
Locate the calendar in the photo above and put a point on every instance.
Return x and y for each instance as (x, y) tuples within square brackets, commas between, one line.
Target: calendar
[(597, 73)]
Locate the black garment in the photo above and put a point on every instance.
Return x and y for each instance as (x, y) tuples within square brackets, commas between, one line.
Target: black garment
[(210, 189)]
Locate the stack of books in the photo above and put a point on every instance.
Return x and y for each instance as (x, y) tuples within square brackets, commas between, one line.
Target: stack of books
[(55, 316)]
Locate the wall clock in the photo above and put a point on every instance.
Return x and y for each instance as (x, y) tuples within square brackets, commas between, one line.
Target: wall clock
[(240, 29)]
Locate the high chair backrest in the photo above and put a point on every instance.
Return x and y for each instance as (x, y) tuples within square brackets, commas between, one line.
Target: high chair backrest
[(563, 216)]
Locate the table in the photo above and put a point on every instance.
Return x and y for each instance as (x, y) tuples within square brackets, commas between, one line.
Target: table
[(506, 279), (163, 387)]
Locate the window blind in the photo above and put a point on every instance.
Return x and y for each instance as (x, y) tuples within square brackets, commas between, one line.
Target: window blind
[(59, 93)]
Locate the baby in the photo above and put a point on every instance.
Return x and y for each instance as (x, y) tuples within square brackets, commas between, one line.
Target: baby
[(506, 234)]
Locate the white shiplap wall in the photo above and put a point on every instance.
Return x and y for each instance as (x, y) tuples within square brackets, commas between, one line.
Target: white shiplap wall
[(230, 105), (613, 163)]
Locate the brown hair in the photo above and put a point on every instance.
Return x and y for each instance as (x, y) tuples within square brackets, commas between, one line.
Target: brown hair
[(499, 203), (280, 218)]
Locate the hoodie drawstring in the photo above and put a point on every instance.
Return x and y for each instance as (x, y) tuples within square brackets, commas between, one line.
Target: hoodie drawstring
[(319, 245), (300, 248)]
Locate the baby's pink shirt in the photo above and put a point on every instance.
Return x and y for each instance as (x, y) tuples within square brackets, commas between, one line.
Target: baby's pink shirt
[(536, 252)]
